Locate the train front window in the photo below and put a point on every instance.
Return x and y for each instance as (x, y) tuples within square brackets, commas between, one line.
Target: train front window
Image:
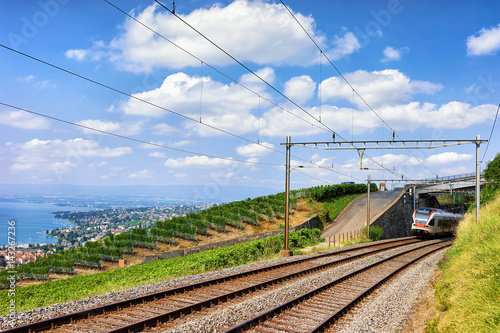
[(422, 216)]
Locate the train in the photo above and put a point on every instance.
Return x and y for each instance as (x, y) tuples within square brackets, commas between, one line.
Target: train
[(433, 222)]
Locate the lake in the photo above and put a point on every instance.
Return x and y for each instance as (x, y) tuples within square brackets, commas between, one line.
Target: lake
[(32, 220)]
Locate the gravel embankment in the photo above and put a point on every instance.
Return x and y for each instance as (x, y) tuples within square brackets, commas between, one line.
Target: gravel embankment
[(396, 301)]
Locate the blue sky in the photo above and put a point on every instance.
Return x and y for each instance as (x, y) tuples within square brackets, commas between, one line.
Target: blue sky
[(428, 69)]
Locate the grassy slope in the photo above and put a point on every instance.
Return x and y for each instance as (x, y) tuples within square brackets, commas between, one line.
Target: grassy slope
[(83, 286), (468, 291)]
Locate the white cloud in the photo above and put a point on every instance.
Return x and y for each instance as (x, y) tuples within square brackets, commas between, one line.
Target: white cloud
[(57, 155), (76, 54), (485, 42), (300, 89), (391, 54), (256, 31), (165, 129), (250, 80), (21, 119), (157, 154), (344, 46), (447, 158), (197, 162), (126, 128), (182, 143), (225, 106), (378, 88), (27, 78), (143, 174), (453, 115), (255, 150), (181, 93)]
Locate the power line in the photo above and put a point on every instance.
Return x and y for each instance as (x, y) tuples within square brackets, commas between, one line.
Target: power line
[(491, 133), (244, 66), (133, 139), (349, 84), (260, 78), (163, 146), (208, 65), (137, 98)]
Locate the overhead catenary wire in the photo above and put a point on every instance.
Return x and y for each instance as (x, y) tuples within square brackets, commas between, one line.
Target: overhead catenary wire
[(210, 66), (261, 79), (134, 139), (229, 159), (243, 65), (491, 133), (349, 84), (137, 98)]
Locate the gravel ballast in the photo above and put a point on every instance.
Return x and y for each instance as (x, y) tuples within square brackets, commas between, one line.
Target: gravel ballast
[(238, 311)]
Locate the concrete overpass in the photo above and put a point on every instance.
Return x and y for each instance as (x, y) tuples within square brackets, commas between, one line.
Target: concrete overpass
[(457, 183)]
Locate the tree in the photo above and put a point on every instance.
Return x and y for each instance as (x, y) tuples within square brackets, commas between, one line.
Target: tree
[(491, 174), (492, 171)]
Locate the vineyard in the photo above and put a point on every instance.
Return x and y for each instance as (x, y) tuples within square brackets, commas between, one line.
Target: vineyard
[(113, 247), (81, 286)]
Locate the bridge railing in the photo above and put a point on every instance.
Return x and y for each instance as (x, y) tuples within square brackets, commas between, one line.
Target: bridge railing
[(441, 179)]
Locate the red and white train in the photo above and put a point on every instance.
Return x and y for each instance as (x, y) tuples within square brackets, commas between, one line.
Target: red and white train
[(434, 222)]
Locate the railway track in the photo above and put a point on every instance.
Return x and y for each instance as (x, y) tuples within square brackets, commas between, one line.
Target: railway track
[(318, 309), (150, 310)]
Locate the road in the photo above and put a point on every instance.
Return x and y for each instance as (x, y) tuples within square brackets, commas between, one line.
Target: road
[(354, 216)]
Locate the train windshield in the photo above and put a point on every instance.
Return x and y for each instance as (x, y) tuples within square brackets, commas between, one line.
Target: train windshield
[(422, 215)]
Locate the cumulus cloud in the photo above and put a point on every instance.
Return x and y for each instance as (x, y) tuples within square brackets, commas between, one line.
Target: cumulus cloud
[(125, 128), (391, 54), (402, 160), (58, 155), (343, 46), (255, 150), (76, 54), (181, 93), (453, 115), (485, 42), (256, 31), (157, 154), (385, 87), (197, 162), (24, 120), (300, 88), (447, 158), (143, 174), (225, 106)]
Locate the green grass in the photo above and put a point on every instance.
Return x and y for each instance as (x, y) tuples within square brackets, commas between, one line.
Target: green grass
[(82, 286), (468, 291), (336, 205), (328, 210)]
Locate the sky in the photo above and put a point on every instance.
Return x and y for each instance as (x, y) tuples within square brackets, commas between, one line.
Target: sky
[(207, 96)]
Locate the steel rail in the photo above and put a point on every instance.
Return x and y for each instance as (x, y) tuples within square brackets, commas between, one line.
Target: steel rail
[(85, 314), (337, 314), (215, 300)]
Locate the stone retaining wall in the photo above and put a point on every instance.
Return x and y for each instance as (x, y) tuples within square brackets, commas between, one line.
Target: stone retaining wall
[(310, 224), (397, 219)]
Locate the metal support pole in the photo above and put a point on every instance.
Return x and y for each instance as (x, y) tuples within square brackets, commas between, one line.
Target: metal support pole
[(286, 251), (414, 197), (368, 210), (478, 177)]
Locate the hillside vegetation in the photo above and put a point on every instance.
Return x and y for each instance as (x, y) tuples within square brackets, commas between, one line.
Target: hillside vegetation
[(468, 288), (78, 287), (112, 248)]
